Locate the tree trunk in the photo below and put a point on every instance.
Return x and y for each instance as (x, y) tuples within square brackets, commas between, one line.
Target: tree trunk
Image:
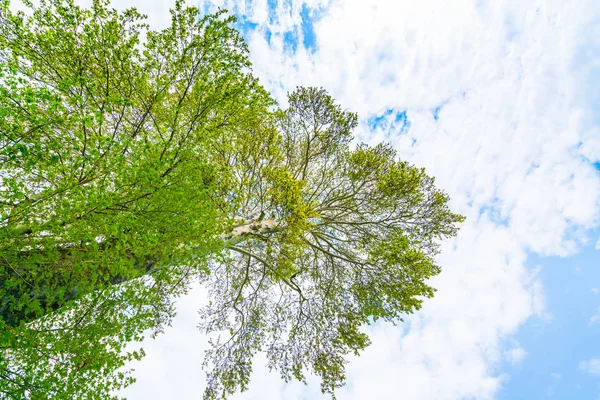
[(13, 317)]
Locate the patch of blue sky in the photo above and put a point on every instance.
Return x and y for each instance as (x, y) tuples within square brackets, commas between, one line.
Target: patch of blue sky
[(376, 121), (403, 121), (588, 157), (290, 41), (205, 8), (493, 212), (390, 120), (436, 112), (268, 34), (556, 346), (309, 39), (245, 25), (272, 5)]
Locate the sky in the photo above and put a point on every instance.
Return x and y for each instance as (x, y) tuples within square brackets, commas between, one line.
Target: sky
[(500, 101)]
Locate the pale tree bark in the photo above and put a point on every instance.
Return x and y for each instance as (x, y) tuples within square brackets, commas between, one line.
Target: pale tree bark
[(238, 233)]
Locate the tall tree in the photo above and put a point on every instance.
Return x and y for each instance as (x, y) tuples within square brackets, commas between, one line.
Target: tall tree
[(106, 175), (130, 168), (329, 239)]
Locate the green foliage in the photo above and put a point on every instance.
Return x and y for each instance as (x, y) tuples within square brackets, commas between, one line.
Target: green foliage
[(129, 169), (355, 240), (107, 176)]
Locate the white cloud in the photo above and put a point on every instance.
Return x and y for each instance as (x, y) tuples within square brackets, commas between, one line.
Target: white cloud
[(595, 318), (591, 366), (597, 246), (515, 136), (503, 86), (515, 355)]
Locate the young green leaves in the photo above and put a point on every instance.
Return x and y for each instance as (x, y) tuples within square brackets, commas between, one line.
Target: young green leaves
[(107, 176), (355, 243)]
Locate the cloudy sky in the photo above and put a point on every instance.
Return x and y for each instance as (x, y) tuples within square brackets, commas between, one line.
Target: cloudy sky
[(500, 101)]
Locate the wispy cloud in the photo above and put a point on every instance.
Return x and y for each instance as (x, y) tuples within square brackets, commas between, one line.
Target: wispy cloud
[(595, 318), (515, 355), (591, 366)]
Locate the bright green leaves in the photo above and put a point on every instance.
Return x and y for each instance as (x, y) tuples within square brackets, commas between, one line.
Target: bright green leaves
[(369, 162), (315, 131), (111, 188), (85, 343), (355, 233), (294, 211), (402, 270), (288, 201)]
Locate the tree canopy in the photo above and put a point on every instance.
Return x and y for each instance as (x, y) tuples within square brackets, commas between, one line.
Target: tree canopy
[(131, 167)]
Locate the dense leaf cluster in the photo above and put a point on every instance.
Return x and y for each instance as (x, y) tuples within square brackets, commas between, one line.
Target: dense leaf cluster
[(106, 176)]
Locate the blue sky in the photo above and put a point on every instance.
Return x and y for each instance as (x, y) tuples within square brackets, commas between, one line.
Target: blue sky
[(499, 101), (556, 344), (300, 35)]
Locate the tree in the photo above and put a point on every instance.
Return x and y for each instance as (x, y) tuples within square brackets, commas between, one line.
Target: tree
[(106, 172), (130, 168), (334, 238)]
